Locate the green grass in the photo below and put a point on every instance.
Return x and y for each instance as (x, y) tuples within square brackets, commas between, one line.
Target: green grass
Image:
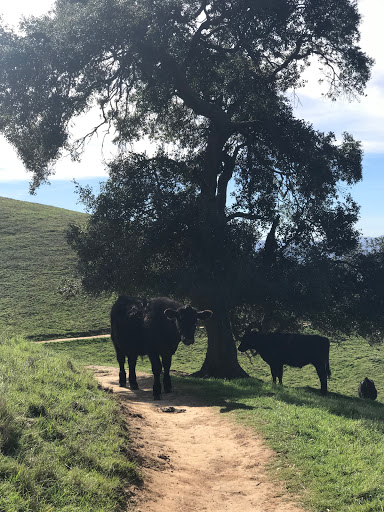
[(63, 444), (350, 362), (62, 441), (35, 258), (329, 449)]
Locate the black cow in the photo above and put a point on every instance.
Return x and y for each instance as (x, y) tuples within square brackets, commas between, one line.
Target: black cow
[(151, 327), (367, 389), (292, 349)]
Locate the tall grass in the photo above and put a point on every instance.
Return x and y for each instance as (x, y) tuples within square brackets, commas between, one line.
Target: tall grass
[(63, 444)]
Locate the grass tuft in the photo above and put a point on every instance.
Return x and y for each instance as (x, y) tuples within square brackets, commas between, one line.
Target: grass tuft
[(9, 429)]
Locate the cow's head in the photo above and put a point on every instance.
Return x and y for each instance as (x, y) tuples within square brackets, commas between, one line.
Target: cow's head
[(186, 321), (250, 340)]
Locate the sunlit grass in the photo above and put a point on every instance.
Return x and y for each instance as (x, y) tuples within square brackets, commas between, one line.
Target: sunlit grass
[(63, 444), (329, 449), (35, 258)]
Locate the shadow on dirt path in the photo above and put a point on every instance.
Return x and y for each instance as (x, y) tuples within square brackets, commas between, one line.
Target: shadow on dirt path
[(193, 458)]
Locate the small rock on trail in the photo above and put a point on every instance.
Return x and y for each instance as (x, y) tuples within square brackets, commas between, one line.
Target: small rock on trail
[(195, 461)]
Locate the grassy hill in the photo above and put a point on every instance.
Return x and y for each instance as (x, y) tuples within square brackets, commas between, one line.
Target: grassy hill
[(34, 258)]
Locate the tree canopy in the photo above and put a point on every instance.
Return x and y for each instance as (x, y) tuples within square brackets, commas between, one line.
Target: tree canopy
[(170, 69), (240, 203)]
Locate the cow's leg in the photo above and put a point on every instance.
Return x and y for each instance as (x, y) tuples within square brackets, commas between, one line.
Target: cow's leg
[(156, 370), (167, 360), (132, 359), (277, 373), (322, 373), (280, 374), (122, 375), (274, 374)]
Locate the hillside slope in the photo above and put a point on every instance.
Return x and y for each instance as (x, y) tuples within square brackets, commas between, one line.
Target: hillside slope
[(34, 259)]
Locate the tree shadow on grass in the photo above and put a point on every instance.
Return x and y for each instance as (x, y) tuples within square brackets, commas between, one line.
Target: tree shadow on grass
[(227, 406), (250, 394), (237, 394), (221, 393), (336, 403)]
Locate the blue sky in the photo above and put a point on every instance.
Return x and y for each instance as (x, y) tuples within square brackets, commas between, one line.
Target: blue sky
[(364, 119)]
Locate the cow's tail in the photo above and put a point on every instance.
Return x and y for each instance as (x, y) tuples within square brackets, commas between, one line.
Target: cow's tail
[(328, 369)]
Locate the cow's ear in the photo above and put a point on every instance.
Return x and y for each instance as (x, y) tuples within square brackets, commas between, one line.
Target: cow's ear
[(171, 314), (204, 315)]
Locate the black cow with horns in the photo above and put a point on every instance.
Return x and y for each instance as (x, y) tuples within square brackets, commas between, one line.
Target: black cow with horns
[(297, 350), (152, 327)]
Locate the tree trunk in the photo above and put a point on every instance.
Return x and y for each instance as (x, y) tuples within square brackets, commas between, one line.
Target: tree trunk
[(221, 357)]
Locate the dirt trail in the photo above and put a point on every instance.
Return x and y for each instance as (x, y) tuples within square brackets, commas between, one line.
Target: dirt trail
[(74, 339), (194, 459)]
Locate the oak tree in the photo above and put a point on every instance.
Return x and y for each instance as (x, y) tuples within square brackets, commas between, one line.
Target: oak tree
[(240, 203)]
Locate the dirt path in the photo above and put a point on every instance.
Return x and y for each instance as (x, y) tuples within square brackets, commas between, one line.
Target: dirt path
[(74, 339), (194, 459)]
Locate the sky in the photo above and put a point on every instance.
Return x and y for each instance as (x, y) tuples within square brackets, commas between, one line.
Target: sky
[(363, 118)]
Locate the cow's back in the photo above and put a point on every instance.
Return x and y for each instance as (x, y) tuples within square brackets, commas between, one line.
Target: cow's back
[(296, 350), (139, 326)]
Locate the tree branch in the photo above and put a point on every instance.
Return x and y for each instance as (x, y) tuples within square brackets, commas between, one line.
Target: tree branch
[(294, 56), (243, 215), (192, 100)]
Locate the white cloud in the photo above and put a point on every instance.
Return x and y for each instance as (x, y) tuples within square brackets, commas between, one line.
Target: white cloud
[(363, 117), (91, 164), (372, 12), (11, 167)]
